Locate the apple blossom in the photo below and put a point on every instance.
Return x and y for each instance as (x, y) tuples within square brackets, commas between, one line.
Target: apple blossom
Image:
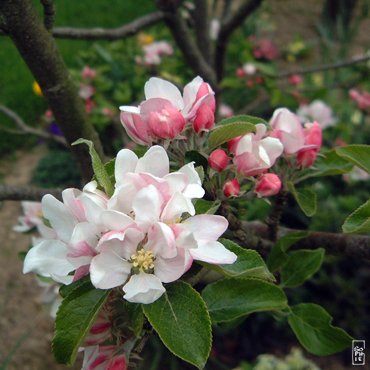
[(313, 136), (32, 216), (317, 111), (88, 73), (218, 160), (231, 188), (267, 185), (103, 358), (255, 153), (361, 99), (225, 110)]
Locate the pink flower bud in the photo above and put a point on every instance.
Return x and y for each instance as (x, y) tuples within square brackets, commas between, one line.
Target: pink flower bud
[(231, 144), (88, 72), (231, 188), (166, 123), (295, 80), (306, 158), (204, 119), (218, 160), (240, 72), (268, 184), (313, 136)]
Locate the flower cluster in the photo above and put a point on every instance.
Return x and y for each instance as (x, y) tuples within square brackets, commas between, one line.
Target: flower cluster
[(145, 235), (153, 53), (166, 113)]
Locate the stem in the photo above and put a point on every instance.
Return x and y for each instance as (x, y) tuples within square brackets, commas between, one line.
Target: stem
[(275, 215)]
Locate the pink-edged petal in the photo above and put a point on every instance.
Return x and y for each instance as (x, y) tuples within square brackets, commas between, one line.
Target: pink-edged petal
[(93, 209), (147, 205), (155, 161), (158, 88), (168, 270), (194, 188), (48, 258), (108, 270), (190, 93), (125, 162), (161, 240), (59, 216), (114, 220), (90, 354), (273, 147), (136, 128), (176, 182), (84, 231), (70, 199), (213, 252), (129, 109), (245, 145), (176, 206), (81, 272), (143, 288), (122, 197), (206, 227), (185, 238)]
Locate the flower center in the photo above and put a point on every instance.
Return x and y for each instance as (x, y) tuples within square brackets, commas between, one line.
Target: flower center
[(143, 260)]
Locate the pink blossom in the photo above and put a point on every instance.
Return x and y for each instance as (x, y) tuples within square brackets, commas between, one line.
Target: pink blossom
[(165, 111), (295, 79), (88, 73), (361, 99), (265, 49), (317, 111), (255, 153), (267, 185), (32, 216), (250, 69), (218, 160), (225, 110), (86, 91), (154, 51), (231, 188), (103, 358), (313, 137)]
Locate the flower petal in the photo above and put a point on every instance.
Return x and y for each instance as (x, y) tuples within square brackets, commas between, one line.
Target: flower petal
[(168, 270), (114, 220), (147, 205), (125, 162), (206, 227), (155, 161), (143, 288), (213, 252)]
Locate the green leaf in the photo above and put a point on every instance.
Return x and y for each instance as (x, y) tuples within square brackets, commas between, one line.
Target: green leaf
[(66, 290), (198, 158), (357, 154), (249, 263), (181, 319), (306, 199), (232, 298), (74, 318), (312, 326), (300, 266), (226, 132), (329, 164), (100, 171), (358, 221), (278, 255), (209, 207), (240, 119)]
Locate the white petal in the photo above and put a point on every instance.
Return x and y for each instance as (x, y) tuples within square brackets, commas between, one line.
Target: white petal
[(59, 217), (155, 161), (114, 220), (274, 148), (213, 252), (244, 145), (125, 162), (206, 227), (48, 258), (129, 109), (147, 205), (190, 93), (92, 208), (176, 206), (73, 204), (168, 270), (85, 231), (122, 198), (158, 88), (143, 288), (161, 240), (108, 270)]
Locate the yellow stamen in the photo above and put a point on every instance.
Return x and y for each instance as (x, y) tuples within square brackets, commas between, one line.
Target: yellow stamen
[(143, 260)]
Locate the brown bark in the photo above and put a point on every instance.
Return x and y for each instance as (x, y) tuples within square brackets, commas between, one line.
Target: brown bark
[(38, 49)]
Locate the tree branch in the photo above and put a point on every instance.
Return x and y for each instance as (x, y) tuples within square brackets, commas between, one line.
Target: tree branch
[(202, 28), (185, 42), (25, 129), (99, 33), (19, 193), (38, 49), (49, 13), (228, 26), (326, 67)]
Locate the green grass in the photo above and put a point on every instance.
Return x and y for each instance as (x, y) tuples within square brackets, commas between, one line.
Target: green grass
[(15, 78)]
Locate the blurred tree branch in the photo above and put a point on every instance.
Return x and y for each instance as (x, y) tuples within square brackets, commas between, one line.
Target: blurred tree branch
[(99, 33), (325, 67), (38, 49), (202, 28), (228, 26), (49, 13), (26, 193), (23, 128)]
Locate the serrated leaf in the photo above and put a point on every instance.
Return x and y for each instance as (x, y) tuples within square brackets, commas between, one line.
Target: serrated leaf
[(74, 318), (358, 221), (328, 164), (65, 290), (181, 319), (226, 132), (278, 255), (209, 207), (312, 326), (100, 171), (232, 298), (249, 264), (306, 199), (357, 154), (300, 266)]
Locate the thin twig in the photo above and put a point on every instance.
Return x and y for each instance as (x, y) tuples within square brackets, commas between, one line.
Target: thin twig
[(274, 217), (326, 67), (25, 129), (99, 33), (18, 193), (49, 13)]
